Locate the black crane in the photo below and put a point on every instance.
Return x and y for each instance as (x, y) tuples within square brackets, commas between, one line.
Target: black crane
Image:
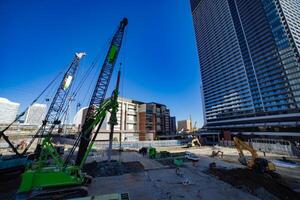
[(100, 90), (55, 110), (16, 164), (56, 106)]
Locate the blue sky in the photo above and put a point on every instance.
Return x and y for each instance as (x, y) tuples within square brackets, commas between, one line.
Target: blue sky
[(160, 64)]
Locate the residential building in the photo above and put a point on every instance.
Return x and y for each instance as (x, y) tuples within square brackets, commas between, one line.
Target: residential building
[(250, 63), (8, 111), (136, 121), (127, 127), (173, 125), (154, 120), (184, 125), (166, 122), (35, 114), (79, 118)]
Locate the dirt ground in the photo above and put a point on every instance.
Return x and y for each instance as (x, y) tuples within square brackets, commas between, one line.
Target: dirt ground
[(195, 181), (253, 182), (163, 184), (231, 156), (145, 178), (114, 168)]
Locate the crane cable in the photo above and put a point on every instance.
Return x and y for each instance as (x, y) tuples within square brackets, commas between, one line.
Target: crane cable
[(33, 102), (81, 83), (122, 68), (88, 72), (22, 113), (94, 63)]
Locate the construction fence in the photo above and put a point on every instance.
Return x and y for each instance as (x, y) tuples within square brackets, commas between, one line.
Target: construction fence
[(128, 144), (282, 147)]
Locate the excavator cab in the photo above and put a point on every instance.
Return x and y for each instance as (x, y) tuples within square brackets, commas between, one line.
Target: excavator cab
[(261, 165), (194, 142)]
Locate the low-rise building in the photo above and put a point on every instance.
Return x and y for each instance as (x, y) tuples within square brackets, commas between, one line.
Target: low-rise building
[(136, 121), (184, 125)]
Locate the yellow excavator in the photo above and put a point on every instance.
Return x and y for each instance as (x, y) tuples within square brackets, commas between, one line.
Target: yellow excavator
[(255, 163), (194, 142)]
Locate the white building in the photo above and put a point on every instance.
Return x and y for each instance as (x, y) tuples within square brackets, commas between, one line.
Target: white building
[(184, 125), (127, 127), (35, 114), (8, 111), (79, 117)]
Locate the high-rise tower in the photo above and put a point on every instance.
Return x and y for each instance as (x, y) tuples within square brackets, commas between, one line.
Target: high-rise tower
[(249, 52)]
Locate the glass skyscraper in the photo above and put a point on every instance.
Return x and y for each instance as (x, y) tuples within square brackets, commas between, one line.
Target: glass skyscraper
[(249, 52)]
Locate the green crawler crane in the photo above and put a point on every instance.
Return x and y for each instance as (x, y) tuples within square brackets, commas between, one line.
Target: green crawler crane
[(50, 177), (57, 180)]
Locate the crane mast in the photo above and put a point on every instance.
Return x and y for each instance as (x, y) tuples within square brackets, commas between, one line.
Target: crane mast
[(58, 102), (101, 88)]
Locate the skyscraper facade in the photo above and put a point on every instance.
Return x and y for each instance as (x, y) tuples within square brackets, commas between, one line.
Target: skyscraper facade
[(249, 52)]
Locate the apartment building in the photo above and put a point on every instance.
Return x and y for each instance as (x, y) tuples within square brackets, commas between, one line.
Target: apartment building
[(136, 121), (154, 120)]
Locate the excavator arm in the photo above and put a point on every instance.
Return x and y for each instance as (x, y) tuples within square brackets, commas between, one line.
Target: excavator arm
[(240, 146), (256, 163)]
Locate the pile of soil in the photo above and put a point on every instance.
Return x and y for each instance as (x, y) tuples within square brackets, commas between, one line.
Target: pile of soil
[(253, 182), (114, 168)]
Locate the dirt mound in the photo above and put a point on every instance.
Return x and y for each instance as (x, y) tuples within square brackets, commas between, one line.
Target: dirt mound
[(253, 182), (115, 168)]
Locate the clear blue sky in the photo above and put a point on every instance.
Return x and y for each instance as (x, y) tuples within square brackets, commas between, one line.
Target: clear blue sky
[(38, 39)]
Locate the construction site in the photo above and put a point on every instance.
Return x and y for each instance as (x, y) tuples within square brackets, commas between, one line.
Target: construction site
[(48, 165), (176, 172), (55, 162)]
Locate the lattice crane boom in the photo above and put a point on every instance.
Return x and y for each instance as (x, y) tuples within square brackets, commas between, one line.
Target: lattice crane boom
[(101, 87), (56, 107)]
